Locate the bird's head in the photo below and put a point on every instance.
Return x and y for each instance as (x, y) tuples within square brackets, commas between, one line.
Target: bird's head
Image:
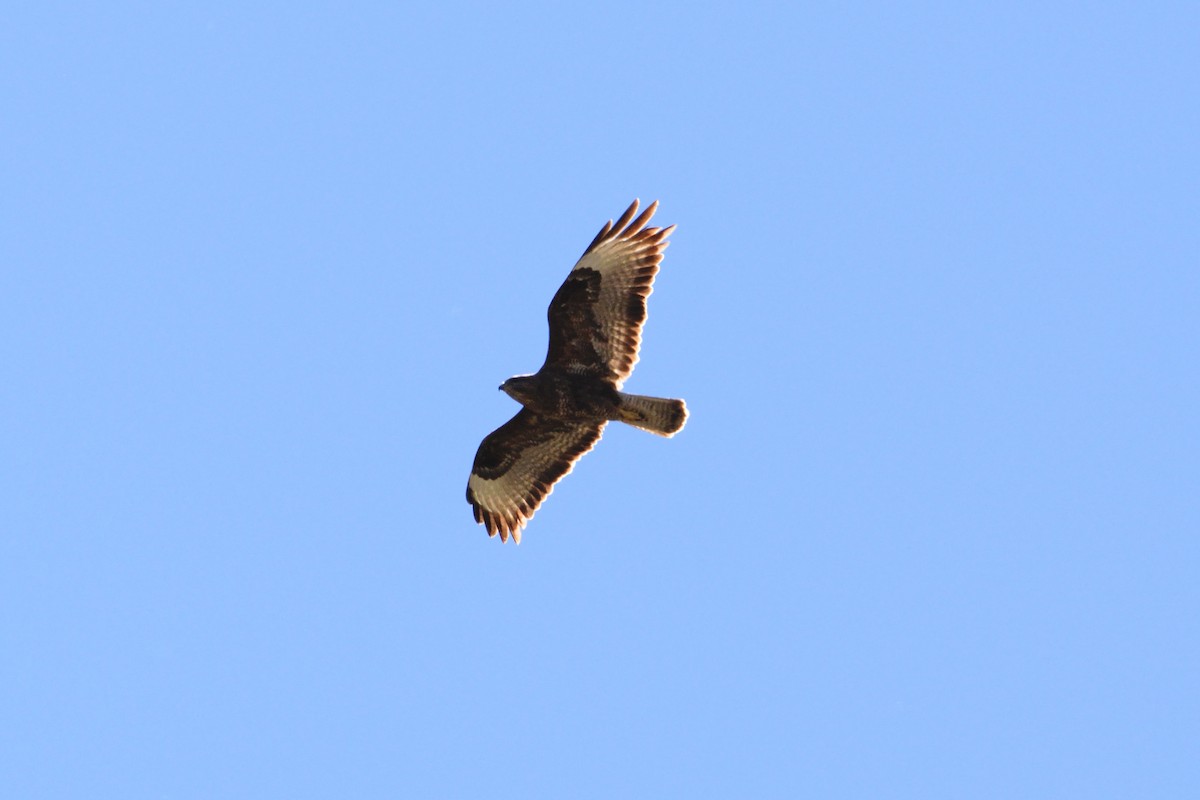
[(519, 388)]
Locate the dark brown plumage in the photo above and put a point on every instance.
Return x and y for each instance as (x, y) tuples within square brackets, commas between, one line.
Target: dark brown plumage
[(596, 322)]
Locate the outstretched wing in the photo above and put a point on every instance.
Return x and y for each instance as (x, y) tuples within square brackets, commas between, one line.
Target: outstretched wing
[(517, 466), (597, 314)]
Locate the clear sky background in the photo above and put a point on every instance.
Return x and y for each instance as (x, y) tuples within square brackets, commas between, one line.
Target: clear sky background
[(931, 530)]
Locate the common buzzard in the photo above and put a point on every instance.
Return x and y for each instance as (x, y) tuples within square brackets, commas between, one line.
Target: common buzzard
[(595, 330)]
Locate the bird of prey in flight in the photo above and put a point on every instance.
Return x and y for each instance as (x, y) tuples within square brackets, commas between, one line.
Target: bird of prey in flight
[(595, 331)]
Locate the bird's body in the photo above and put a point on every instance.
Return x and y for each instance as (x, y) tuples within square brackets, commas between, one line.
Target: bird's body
[(559, 394), (595, 331)]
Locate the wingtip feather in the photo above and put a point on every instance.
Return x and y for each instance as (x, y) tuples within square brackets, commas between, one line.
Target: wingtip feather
[(620, 224), (639, 223)]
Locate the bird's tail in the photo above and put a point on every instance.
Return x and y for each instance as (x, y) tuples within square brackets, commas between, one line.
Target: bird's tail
[(655, 414)]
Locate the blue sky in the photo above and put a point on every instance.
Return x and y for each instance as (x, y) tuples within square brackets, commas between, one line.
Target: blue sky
[(931, 530)]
